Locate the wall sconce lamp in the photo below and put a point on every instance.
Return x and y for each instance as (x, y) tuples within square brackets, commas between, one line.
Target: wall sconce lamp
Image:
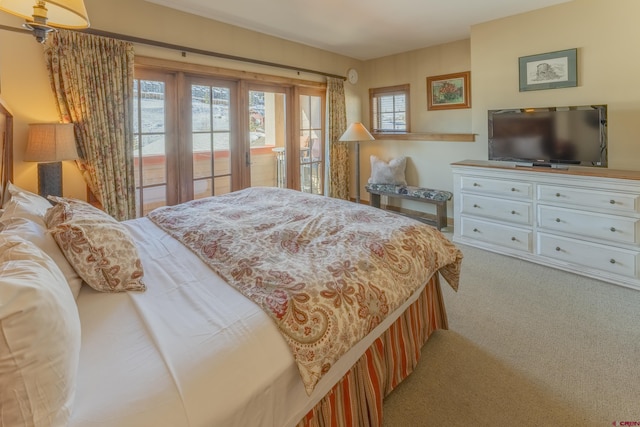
[(49, 144), (42, 16), (357, 132)]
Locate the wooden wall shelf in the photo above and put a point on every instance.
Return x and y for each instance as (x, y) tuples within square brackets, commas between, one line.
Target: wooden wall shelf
[(452, 137)]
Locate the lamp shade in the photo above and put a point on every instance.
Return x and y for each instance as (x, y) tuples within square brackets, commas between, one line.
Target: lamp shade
[(356, 132), (59, 13), (51, 142)]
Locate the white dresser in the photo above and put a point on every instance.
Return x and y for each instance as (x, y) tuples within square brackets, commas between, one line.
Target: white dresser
[(583, 220)]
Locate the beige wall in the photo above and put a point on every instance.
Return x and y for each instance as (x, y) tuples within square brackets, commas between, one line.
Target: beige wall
[(605, 34)]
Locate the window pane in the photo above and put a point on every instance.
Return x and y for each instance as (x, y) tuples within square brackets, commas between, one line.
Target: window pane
[(399, 103), (221, 115), (315, 147), (222, 185), (202, 155), (200, 108), (136, 83), (316, 112), (222, 154), (305, 146), (154, 165), (153, 197), (152, 106), (202, 188)]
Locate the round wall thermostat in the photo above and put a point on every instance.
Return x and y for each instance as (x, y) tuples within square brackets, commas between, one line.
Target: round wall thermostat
[(352, 76)]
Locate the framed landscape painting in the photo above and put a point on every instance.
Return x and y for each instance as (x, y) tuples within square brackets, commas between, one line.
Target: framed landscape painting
[(449, 91), (548, 70)]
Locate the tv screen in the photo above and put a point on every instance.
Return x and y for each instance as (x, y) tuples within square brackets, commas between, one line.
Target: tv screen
[(546, 136)]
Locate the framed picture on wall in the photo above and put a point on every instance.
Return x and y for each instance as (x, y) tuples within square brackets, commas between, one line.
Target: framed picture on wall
[(449, 91), (548, 70)]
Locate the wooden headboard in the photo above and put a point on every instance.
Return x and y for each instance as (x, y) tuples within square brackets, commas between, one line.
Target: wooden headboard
[(6, 146)]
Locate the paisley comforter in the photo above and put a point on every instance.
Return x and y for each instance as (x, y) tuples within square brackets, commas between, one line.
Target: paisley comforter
[(327, 271)]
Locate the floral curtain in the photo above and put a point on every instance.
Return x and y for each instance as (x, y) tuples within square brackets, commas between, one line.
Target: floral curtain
[(92, 79), (338, 151)]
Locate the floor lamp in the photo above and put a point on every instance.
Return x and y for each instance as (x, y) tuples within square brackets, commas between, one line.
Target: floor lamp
[(49, 144), (357, 132)]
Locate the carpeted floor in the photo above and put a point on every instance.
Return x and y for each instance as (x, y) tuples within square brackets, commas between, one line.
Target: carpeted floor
[(526, 346)]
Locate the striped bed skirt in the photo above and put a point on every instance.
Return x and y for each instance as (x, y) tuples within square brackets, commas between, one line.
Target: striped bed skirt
[(356, 400)]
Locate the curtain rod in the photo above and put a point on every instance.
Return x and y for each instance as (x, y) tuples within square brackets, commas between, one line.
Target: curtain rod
[(156, 43), (140, 40)]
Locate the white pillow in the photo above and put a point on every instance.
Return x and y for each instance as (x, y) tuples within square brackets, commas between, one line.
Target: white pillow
[(25, 204), (388, 173), (24, 216), (38, 234), (40, 345)]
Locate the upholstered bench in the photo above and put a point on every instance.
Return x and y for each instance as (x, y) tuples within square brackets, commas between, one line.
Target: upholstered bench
[(426, 195)]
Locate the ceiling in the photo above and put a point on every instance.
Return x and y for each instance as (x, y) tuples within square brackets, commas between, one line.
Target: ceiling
[(361, 29)]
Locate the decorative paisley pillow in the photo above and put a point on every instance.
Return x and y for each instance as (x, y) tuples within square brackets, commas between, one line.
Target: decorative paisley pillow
[(98, 247)]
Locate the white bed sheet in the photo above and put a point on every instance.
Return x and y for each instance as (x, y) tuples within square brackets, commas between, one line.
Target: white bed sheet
[(190, 351)]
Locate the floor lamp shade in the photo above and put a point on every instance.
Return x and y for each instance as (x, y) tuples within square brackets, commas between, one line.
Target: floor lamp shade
[(49, 144), (357, 132)]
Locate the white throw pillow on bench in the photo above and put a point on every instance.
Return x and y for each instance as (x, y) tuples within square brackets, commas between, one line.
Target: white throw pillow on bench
[(388, 173)]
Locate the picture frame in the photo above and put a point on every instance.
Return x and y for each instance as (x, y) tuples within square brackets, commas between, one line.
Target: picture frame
[(449, 91), (550, 70)]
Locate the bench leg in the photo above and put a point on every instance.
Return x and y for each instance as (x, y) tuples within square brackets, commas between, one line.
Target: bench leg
[(374, 200), (441, 215)]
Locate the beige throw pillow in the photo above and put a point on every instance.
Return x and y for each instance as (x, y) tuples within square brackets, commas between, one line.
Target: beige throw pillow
[(98, 247), (388, 173)]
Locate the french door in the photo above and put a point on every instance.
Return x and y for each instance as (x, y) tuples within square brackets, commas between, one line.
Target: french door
[(198, 136), (269, 145)]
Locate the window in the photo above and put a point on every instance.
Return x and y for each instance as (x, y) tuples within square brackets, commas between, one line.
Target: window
[(311, 141), (389, 107), (212, 133), (199, 134), (152, 129)]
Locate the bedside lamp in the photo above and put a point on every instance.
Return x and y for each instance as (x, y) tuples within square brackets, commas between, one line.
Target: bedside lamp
[(49, 144), (357, 132)]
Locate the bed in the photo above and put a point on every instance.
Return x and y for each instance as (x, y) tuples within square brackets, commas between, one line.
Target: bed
[(209, 317)]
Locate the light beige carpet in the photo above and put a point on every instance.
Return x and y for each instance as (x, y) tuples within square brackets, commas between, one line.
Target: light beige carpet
[(526, 346)]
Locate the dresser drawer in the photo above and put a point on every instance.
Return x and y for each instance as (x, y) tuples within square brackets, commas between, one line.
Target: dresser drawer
[(592, 255), (520, 190), (598, 226), (500, 209), (499, 234), (608, 200)]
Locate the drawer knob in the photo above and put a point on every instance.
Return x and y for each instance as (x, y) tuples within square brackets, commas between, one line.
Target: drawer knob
[(476, 206), (475, 184), (513, 212), (558, 249), (558, 220), (613, 202), (612, 261), (513, 239), (558, 194), (475, 230), (613, 229), (513, 189)]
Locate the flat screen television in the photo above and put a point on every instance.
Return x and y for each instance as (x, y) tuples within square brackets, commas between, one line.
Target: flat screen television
[(550, 136)]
